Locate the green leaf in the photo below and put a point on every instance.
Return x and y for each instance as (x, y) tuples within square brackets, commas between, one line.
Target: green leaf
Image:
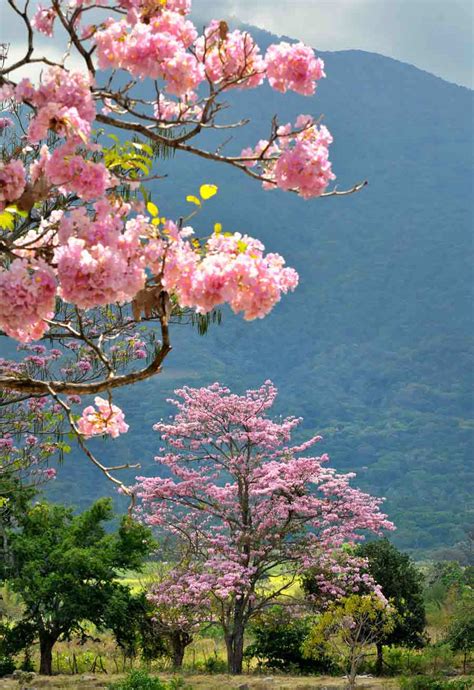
[(152, 208), (114, 138), (208, 190), (6, 220), (143, 147)]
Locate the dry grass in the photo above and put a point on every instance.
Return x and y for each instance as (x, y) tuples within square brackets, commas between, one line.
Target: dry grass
[(209, 682)]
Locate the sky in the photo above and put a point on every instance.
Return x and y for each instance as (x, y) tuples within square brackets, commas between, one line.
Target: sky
[(434, 35)]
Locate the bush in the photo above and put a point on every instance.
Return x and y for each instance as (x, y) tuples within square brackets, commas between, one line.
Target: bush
[(141, 680), (7, 666), (277, 644), (429, 683), (215, 664), (399, 661)]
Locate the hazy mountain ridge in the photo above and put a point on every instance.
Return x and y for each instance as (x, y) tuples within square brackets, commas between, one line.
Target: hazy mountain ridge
[(373, 349)]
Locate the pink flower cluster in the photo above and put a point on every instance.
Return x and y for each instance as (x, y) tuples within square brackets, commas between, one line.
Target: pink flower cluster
[(98, 260), (155, 49), (106, 419), (293, 67), (231, 60), (27, 296), (184, 109), (43, 20), (72, 172), (232, 270), (12, 182), (298, 160), (63, 102)]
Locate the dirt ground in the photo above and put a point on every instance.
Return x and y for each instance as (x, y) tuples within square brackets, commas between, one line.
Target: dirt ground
[(208, 682)]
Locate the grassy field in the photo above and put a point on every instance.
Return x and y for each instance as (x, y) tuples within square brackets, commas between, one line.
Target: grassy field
[(210, 682)]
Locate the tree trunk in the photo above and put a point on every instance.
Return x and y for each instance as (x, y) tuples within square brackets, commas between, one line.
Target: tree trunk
[(379, 662), (178, 642), (235, 649), (46, 655)]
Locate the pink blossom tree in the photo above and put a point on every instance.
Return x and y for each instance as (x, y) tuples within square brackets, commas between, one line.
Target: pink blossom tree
[(85, 253), (247, 507)]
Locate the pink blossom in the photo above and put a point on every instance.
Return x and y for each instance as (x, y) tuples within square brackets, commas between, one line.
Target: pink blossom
[(297, 161), (155, 49), (5, 122), (106, 419), (12, 182), (72, 172), (233, 61), (233, 270), (63, 102), (27, 297), (293, 67), (43, 20)]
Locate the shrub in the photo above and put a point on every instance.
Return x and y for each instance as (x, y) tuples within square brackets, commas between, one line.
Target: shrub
[(277, 644), (214, 664), (141, 680), (7, 666), (429, 683)]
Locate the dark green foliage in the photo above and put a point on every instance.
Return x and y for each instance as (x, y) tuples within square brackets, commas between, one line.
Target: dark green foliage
[(130, 617), (65, 569), (429, 683), (278, 637), (141, 680), (7, 666), (402, 583)]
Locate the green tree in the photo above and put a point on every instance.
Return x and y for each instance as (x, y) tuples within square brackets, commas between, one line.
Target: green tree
[(460, 635), (348, 627), (65, 568), (402, 584)]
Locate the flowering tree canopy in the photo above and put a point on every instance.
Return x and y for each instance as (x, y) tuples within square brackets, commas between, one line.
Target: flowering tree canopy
[(85, 253), (249, 507)]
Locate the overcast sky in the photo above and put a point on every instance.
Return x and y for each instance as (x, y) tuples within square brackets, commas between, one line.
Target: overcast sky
[(435, 35)]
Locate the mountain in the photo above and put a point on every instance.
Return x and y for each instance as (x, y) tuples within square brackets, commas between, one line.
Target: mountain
[(375, 348)]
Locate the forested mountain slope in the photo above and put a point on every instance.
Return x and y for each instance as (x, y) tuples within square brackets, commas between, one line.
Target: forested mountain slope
[(374, 349)]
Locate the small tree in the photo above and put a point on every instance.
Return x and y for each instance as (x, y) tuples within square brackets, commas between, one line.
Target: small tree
[(402, 584), (65, 569), (348, 627), (460, 636), (244, 505)]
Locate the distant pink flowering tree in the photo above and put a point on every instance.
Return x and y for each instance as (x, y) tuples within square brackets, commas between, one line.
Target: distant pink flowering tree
[(85, 253), (246, 506)]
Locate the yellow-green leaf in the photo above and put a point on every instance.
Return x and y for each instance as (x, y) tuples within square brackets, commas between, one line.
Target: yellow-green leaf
[(242, 246), (193, 200), (208, 190), (6, 220), (156, 221), (152, 208), (217, 228)]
